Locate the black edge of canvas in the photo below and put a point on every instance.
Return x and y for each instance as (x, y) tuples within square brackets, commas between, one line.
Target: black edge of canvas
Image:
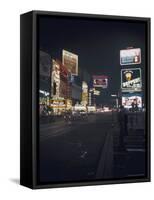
[(25, 99), (28, 99)]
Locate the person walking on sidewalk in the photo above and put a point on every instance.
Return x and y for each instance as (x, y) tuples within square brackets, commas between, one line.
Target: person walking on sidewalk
[(123, 120)]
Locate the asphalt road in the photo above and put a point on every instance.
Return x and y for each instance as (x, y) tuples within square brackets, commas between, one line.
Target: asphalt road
[(87, 150), (72, 151)]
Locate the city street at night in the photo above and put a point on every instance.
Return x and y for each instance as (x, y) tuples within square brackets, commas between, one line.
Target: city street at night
[(86, 150), (92, 103)]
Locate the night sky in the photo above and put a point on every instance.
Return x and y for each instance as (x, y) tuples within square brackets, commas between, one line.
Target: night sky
[(96, 42)]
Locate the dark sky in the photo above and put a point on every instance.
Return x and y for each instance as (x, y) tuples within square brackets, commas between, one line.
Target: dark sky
[(97, 43)]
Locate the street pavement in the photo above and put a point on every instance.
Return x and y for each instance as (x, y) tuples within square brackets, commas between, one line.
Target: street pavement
[(131, 161), (86, 149)]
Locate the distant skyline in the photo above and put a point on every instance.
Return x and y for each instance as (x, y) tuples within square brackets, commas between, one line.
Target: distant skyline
[(96, 42)]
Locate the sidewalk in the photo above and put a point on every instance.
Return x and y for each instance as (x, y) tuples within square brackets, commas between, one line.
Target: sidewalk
[(131, 160), (105, 165)]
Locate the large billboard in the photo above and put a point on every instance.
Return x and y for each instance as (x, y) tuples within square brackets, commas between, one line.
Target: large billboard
[(84, 93), (100, 81), (70, 60), (59, 80), (132, 100), (131, 80), (64, 81), (130, 56), (55, 79)]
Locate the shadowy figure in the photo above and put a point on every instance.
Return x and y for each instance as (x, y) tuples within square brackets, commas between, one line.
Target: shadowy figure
[(123, 120)]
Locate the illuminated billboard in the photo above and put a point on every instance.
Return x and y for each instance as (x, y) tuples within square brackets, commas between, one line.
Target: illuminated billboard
[(70, 60), (57, 103), (131, 80), (96, 92), (84, 93), (100, 81), (130, 100), (55, 79), (59, 80), (64, 82), (130, 56)]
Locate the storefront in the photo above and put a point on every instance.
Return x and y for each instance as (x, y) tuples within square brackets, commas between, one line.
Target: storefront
[(60, 106), (79, 107)]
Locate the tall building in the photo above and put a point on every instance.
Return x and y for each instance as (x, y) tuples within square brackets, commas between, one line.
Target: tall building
[(44, 76)]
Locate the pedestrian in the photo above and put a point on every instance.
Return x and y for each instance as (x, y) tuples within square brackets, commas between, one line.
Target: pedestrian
[(123, 120), (133, 106)]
